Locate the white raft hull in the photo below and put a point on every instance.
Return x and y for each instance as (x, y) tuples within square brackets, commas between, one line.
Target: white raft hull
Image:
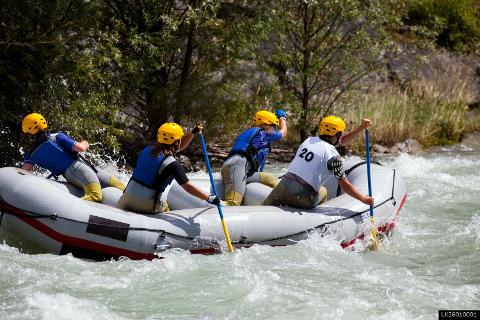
[(42, 216)]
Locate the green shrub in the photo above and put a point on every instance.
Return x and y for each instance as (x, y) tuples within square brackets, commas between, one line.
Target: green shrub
[(456, 23)]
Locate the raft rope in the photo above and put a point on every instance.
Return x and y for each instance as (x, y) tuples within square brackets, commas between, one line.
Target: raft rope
[(348, 171), (322, 227)]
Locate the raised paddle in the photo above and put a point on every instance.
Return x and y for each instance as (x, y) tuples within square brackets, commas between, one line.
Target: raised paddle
[(219, 207), (374, 244)]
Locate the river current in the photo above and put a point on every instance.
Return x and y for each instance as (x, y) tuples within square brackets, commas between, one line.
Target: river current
[(430, 262)]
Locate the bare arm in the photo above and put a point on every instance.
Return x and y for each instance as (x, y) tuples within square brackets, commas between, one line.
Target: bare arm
[(195, 191), (353, 192), (349, 136), (81, 146), (186, 139), (283, 127)]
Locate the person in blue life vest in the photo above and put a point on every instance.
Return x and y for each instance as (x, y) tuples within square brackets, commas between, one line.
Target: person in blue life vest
[(156, 168), (315, 160), (59, 153), (249, 153)]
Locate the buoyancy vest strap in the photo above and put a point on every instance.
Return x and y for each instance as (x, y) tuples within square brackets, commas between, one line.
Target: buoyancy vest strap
[(168, 160)]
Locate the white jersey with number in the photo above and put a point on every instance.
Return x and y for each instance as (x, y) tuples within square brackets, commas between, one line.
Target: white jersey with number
[(310, 162)]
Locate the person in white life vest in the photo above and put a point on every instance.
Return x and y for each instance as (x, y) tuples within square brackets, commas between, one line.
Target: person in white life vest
[(249, 153), (156, 168), (315, 160), (59, 153)]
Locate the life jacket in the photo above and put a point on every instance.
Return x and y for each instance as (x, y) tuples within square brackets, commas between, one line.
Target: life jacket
[(243, 146), (147, 172), (49, 155)]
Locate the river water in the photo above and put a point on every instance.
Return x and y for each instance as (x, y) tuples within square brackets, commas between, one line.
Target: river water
[(430, 262)]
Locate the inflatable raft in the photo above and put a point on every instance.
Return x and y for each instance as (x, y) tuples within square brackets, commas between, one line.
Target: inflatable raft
[(40, 215)]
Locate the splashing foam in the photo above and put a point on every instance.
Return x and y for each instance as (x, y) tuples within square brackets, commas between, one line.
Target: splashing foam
[(63, 306)]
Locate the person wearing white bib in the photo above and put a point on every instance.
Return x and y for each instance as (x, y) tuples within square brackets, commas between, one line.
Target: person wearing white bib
[(316, 159)]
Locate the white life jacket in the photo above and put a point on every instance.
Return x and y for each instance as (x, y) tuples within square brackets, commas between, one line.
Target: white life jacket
[(310, 162)]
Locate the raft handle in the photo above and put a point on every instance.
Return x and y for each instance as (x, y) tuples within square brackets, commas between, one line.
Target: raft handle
[(162, 247), (162, 244)]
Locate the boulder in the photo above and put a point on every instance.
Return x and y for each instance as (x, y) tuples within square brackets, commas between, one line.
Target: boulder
[(185, 161), (411, 146), (471, 140), (380, 149), (199, 166)]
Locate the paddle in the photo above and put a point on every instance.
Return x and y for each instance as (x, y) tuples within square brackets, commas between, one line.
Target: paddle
[(374, 244), (88, 163), (219, 207)]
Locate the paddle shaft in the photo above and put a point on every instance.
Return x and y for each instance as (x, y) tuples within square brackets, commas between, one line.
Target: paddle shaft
[(374, 244), (219, 207), (88, 163), (367, 147)]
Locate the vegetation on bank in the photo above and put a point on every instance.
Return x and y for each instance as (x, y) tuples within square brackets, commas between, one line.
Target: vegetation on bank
[(112, 71), (434, 111), (454, 24)]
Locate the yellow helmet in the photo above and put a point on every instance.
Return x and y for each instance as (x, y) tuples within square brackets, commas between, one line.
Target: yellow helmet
[(265, 117), (169, 132), (331, 125), (33, 123)]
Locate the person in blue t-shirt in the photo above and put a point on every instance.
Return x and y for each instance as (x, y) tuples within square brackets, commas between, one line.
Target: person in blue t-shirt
[(249, 153), (59, 153)]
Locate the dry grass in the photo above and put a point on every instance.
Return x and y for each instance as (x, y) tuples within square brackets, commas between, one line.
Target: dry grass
[(433, 112)]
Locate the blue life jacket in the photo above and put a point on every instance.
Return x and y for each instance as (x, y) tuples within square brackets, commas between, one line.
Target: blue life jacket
[(243, 146), (261, 157), (51, 156), (146, 171)]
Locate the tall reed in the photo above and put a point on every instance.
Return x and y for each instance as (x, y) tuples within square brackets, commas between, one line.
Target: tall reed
[(431, 111)]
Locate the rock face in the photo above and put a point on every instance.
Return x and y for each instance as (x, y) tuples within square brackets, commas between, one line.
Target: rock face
[(185, 161), (411, 146), (471, 140), (380, 149)]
